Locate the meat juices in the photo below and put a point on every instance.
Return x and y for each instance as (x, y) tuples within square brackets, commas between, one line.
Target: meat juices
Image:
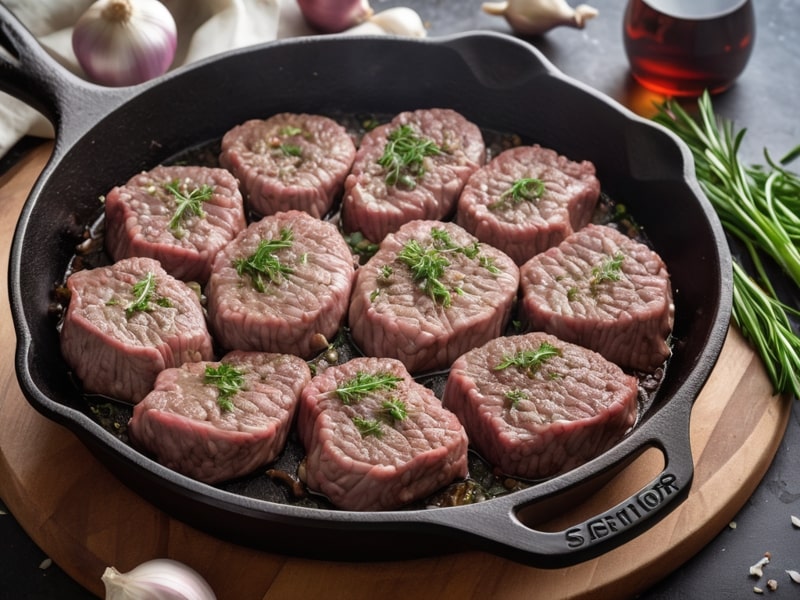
[(179, 215), (380, 449), (289, 161), (428, 323), (292, 297), (528, 199), (375, 204), (194, 428), (605, 291), (127, 322), (554, 407)]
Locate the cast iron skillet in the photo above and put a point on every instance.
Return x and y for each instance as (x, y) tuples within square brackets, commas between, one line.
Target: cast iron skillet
[(103, 136)]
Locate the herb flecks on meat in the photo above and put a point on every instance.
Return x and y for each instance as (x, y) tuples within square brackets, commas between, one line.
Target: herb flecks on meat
[(404, 156), (143, 294), (394, 409), (529, 361), (525, 189), (364, 383), (368, 427), (609, 270), (187, 202), (228, 380), (428, 263), (263, 264)]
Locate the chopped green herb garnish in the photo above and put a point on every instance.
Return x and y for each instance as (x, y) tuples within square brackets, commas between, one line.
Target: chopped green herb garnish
[(228, 380), (368, 427), (529, 361), (289, 131), (395, 409), (187, 201), (143, 291), (515, 396), (572, 293), (386, 271), (526, 189), (609, 270), (403, 156), (363, 383), (291, 150), (263, 264), (427, 266)]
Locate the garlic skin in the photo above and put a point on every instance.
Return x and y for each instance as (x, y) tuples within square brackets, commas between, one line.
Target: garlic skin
[(334, 16), (535, 17), (160, 578), (125, 42), (400, 21)]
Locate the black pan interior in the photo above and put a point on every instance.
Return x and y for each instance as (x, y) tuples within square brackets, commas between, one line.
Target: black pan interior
[(495, 81)]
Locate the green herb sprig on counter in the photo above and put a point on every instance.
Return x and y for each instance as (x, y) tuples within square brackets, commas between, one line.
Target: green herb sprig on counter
[(758, 205), (187, 202), (228, 380), (403, 156), (364, 383), (263, 264)]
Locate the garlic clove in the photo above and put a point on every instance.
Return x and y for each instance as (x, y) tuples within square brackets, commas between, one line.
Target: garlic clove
[(160, 578), (535, 17), (400, 20), (334, 16)]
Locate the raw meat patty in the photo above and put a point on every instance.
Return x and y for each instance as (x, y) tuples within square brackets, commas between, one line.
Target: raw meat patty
[(381, 449), (181, 216), (126, 323), (528, 199), (396, 314), (605, 291), (555, 407), (289, 161), (294, 298), (193, 427), (375, 204)]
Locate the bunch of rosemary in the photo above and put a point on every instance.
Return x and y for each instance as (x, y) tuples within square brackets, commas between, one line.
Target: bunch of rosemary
[(759, 206)]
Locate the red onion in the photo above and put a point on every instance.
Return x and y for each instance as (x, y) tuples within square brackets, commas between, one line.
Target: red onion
[(125, 42), (334, 16)]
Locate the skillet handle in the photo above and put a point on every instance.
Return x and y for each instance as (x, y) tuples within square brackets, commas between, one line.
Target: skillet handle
[(500, 529), (30, 74)]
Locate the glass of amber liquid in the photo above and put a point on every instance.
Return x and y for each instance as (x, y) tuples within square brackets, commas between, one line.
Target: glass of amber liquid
[(683, 47)]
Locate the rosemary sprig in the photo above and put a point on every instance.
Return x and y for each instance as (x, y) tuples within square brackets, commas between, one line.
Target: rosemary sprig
[(263, 264), (228, 380), (529, 361), (759, 207), (368, 427), (364, 383), (187, 201), (394, 409), (525, 189), (609, 270), (143, 291), (404, 154), (427, 264)]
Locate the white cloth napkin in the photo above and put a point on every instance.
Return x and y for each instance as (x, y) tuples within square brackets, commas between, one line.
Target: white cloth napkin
[(205, 27)]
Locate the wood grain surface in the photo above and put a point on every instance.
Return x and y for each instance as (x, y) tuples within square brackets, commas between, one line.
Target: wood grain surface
[(85, 519)]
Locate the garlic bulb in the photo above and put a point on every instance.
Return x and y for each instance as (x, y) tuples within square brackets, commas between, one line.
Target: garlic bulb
[(160, 578), (392, 21), (534, 17), (334, 16), (125, 42)]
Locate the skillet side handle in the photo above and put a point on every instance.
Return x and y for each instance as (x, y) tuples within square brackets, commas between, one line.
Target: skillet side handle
[(28, 72), (504, 532)]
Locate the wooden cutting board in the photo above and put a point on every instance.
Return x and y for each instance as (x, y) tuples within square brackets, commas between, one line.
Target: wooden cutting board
[(85, 519)]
